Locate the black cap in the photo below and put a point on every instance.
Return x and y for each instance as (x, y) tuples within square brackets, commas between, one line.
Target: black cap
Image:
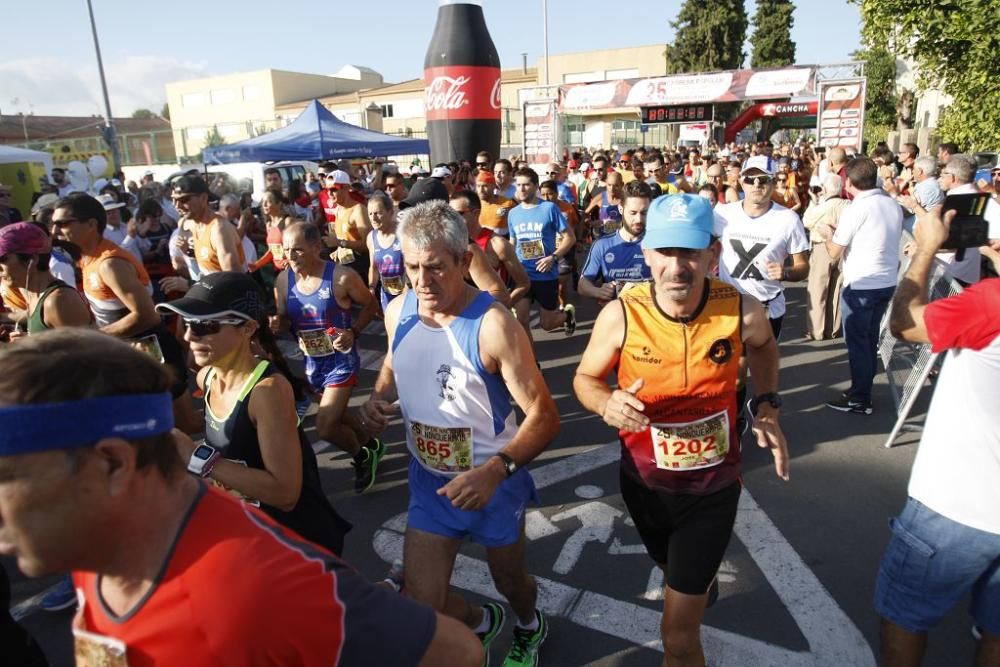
[(191, 185), (426, 189), (220, 295)]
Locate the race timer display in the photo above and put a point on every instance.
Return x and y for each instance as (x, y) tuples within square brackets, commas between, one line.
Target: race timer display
[(686, 113)]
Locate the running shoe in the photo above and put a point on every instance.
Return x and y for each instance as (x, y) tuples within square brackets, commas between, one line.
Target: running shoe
[(395, 576), (365, 466), (62, 596), (524, 649), (497, 617), (844, 404), (570, 311), (376, 445)]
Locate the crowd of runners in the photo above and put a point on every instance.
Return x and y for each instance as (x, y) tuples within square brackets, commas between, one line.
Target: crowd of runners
[(152, 445)]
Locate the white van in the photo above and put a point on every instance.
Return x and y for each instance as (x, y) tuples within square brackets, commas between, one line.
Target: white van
[(240, 177)]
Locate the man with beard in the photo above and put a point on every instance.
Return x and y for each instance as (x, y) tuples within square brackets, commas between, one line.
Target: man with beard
[(616, 261), (676, 345)]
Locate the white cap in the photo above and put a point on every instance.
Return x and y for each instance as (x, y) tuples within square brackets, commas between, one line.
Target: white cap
[(338, 177), (585, 166), (441, 172), (109, 203), (759, 162)]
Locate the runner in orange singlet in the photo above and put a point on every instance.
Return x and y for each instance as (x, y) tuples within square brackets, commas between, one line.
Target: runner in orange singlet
[(676, 345)]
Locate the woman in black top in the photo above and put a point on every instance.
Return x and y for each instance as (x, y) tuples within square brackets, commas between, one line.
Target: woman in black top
[(250, 420)]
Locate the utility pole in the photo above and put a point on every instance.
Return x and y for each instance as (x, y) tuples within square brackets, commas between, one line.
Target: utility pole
[(545, 29), (110, 136)]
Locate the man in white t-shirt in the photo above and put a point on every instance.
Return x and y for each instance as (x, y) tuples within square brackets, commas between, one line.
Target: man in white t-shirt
[(945, 544), (868, 240), (757, 237)]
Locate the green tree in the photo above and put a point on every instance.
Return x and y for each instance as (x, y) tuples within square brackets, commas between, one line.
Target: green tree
[(709, 37), (144, 114), (772, 34), (880, 92), (954, 44), (165, 111), (213, 138)]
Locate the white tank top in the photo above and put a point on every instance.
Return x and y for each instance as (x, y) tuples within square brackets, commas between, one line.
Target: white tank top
[(457, 415)]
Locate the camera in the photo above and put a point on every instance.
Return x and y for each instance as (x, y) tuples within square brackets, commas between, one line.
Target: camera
[(969, 228)]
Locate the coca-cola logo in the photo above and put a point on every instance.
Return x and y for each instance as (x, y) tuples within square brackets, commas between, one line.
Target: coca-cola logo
[(495, 95), (446, 92)]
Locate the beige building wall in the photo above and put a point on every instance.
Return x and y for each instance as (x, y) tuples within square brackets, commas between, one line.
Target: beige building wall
[(604, 65), (403, 105), (244, 104)]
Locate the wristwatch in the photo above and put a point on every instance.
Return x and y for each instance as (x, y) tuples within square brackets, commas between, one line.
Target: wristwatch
[(203, 459), (770, 397), (509, 464)]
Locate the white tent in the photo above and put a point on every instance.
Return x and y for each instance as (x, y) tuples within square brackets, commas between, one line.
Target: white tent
[(9, 154)]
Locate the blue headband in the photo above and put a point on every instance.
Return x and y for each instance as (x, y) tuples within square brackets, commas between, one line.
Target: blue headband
[(39, 427)]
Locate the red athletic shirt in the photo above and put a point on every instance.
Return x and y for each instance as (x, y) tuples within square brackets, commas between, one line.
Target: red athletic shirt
[(238, 590)]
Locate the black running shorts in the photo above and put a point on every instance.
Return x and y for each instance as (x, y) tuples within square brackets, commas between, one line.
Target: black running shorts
[(685, 534)]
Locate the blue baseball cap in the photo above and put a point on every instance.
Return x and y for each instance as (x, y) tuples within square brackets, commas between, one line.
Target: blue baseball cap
[(679, 221)]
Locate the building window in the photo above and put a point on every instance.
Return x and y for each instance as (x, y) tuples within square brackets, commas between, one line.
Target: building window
[(192, 100), (222, 96), (387, 111), (615, 74), (583, 77), (626, 133), (232, 130), (251, 93)]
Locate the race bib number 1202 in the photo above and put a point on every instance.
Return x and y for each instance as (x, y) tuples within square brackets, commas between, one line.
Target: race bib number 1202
[(692, 445)]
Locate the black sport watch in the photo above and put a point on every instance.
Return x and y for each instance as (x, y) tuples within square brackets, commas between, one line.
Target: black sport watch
[(509, 464), (770, 397)]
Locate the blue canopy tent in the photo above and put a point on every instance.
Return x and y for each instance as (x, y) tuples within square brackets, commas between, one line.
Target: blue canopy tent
[(315, 135)]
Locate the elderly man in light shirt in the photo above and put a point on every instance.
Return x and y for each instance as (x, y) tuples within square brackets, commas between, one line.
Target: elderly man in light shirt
[(825, 278), (957, 178)]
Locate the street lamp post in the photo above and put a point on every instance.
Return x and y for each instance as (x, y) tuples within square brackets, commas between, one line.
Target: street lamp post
[(110, 136)]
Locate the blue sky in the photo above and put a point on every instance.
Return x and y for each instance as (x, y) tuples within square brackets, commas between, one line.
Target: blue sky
[(48, 64)]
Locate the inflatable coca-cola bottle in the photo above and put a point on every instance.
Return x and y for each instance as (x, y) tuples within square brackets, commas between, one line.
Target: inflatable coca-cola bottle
[(462, 79)]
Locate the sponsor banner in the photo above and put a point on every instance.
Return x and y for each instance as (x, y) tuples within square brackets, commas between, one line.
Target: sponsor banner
[(462, 93), (841, 113), (788, 109), (730, 86), (541, 131)]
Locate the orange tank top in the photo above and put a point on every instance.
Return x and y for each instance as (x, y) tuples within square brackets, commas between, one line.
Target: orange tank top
[(106, 305), (12, 297), (204, 252), (690, 370)]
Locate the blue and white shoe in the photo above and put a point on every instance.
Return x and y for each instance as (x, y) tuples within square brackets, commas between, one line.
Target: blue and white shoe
[(63, 596)]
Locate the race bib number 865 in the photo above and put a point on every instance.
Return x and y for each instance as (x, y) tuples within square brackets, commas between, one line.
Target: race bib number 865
[(444, 449)]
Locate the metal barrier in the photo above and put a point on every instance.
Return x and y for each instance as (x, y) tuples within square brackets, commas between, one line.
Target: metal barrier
[(908, 365)]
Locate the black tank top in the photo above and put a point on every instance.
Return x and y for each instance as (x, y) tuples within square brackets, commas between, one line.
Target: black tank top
[(235, 436)]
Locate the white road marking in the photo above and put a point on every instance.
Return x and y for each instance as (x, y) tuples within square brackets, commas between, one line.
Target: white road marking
[(597, 522), (654, 589), (832, 637), (619, 549)]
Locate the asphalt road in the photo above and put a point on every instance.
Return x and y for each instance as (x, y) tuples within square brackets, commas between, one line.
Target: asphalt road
[(799, 575)]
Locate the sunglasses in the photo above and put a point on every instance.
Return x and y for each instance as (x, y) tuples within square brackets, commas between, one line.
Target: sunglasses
[(209, 327), (756, 180), (552, 173), (483, 165)]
